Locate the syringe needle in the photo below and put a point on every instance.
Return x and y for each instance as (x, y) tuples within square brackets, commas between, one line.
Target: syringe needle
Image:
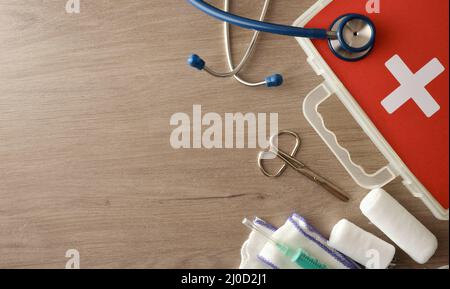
[(251, 225)]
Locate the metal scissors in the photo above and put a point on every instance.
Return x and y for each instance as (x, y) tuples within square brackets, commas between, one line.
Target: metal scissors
[(289, 160)]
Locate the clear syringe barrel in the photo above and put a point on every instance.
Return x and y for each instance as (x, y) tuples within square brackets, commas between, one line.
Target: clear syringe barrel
[(300, 257)]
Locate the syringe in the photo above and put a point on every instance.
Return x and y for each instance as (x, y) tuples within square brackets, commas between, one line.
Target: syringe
[(300, 257)]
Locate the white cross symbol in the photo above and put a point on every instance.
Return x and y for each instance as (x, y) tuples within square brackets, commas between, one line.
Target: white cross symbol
[(412, 86)]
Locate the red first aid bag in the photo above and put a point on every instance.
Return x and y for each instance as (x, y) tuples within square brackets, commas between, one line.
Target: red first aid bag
[(399, 94)]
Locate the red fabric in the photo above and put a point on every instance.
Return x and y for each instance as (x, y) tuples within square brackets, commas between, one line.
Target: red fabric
[(417, 31)]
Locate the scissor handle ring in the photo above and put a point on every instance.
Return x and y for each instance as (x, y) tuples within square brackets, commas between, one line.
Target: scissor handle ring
[(274, 150)]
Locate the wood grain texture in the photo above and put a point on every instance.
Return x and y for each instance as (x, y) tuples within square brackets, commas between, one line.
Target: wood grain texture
[(85, 158)]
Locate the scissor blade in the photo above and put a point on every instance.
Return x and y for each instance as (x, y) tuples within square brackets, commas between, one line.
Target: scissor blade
[(329, 186)]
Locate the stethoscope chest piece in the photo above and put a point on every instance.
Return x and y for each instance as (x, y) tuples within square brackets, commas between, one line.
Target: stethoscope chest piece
[(355, 37)]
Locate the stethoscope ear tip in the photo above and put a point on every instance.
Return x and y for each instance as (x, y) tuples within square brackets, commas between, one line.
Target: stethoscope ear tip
[(196, 61), (274, 80)]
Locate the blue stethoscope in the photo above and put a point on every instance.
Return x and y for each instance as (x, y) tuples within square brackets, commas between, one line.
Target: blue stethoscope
[(351, 37)]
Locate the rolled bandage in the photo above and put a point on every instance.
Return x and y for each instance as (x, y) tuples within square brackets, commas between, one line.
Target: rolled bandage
[(399, 225), (363, 247)]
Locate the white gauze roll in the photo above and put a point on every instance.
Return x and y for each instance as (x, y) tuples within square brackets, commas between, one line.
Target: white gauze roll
[(399, 225), (363, 247)]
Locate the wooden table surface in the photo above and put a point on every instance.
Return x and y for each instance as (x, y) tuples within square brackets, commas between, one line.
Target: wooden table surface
[(85, 157)]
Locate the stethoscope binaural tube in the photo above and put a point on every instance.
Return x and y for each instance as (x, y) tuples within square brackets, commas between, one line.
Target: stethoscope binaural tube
[(196, 61), (268, 81), (351, 37)]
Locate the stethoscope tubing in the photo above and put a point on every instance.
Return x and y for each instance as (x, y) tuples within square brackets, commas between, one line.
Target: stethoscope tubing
[(261, 26)]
